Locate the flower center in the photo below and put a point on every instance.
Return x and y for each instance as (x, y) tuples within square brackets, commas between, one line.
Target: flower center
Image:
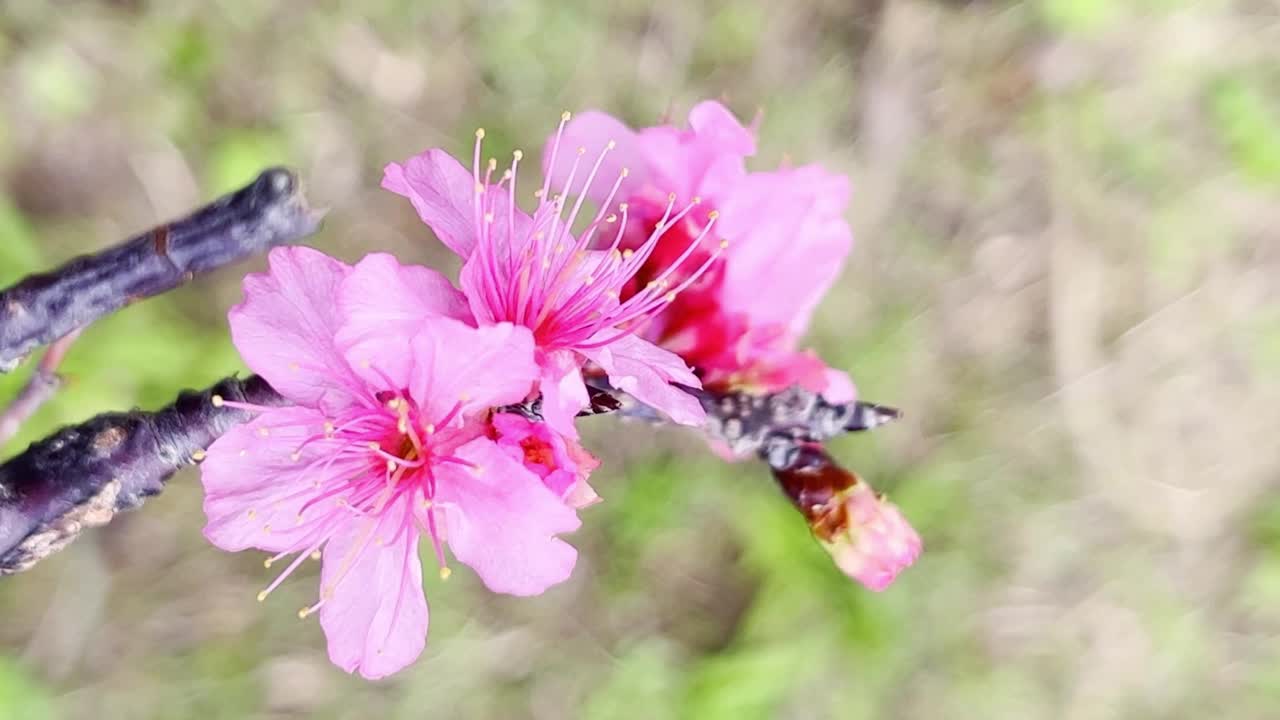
[(535, 272)]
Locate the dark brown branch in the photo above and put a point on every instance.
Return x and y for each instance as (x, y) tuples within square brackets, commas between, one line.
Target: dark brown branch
[(82, 475), (41, 308)]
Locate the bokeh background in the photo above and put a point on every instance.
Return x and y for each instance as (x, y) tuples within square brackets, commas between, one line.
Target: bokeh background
[(1067, 271)]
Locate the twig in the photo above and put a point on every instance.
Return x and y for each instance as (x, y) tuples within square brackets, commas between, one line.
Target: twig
[(42, 308), (42, 386), (84, 474)]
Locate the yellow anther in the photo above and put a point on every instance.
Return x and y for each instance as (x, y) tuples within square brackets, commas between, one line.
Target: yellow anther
[(373, 445), (329, 428), (315, 555), (713, 214), (623, 206), (264, 432), (479, 188), (296, 456), (724, 244), (538, 193), (564, 116), (671, 197), (250, 513), (217, 400), (479, 133), (403, 426), (262, 596), (430, 428), (493, 164), (610, 145), (697, 199), (518, 155), (303, 613), (266, 563), (589, 280), (391, 465), (266, 528), (671, 297), (626, 254), (198, 455), (581, 150), (445, 573), (612, 218)]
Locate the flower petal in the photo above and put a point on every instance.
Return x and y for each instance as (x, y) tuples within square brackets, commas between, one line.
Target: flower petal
[(374, 613), (285, 327), (563, 392), (594, 130), (443, 193), (788, 242), (703, 160), (384, 303), (646, 371), (715, 124), (502, 521), (839, 388), (255, 490), (477, 367)]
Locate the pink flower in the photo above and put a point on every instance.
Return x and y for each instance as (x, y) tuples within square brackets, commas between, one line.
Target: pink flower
[(386, 441), (561, 462), (871, 540), (739, 325), (532, 271)]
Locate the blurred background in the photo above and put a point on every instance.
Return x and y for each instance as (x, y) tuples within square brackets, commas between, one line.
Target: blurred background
[(1067, 272)]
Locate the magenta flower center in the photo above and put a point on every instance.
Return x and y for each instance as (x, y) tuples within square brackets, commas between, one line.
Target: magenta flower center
[(387, 452), (537, 274)]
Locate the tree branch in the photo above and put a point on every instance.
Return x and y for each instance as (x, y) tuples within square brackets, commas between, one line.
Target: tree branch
[(82, 475), (41, 308), (42, 386)]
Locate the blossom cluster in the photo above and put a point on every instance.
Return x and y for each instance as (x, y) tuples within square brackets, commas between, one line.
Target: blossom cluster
[(690, 271)]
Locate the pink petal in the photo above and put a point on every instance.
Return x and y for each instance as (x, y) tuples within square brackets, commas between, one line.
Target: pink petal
[(285, 327), (502, 521), (879, 542), (384, 303), (839, 388), (563, 392), (703, 160), (646, 371), (255, 489), (788, 242), (374, 613), (443, 193), (477, 367), (593, 130), (715, 124)]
